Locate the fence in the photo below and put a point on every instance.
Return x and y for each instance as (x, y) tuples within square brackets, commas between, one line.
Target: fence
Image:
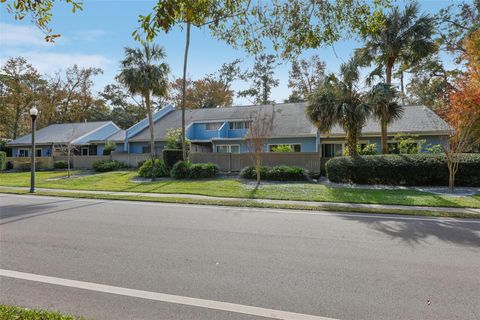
[(130, 159), (81, 162), (237, 161), (20, 163)]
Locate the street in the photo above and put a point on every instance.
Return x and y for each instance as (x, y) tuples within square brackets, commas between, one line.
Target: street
[(340, 266)]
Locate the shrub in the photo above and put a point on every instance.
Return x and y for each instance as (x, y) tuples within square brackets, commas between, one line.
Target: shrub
[(187, 170), (251, 173), (140, 164), (108, 165), (202, 170), (282, 148), (172, 156), (408, 144), (278, 173), (145, 171), (180, 170), (109, 147), (413, 170), (60, 164), (3, 160)]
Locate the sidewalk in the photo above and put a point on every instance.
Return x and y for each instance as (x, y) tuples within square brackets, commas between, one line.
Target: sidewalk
[(290, 203)]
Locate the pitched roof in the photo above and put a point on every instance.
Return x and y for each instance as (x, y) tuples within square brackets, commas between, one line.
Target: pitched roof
[(415, 119), (118, 136), (289, 119), (60, 133)]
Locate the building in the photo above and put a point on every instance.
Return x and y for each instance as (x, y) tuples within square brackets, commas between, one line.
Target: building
[(86, 138), (223, 130)]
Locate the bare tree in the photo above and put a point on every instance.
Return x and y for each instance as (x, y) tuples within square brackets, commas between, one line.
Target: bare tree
[(67, 148), (460, 140), (259, 131)]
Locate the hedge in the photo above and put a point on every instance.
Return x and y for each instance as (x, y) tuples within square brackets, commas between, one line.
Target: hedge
[(60, 164), (412, 170), (108, 165), (278, 173), (188, 170), (145, 170), (3, 160), (172, 156)]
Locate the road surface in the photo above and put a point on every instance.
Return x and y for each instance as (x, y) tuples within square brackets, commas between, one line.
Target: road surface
[(84, 257)]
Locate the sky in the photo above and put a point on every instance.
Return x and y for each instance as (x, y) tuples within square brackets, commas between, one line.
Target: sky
[(97, 35)]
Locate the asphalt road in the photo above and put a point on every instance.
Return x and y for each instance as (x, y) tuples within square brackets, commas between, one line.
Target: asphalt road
[(342, 266)]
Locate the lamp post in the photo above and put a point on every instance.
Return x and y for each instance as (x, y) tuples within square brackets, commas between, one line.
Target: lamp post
[(33, 114)]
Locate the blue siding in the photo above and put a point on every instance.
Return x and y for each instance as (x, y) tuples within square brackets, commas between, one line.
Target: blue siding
[(46, 150), (137, 147), (198, 131), (308, 143)]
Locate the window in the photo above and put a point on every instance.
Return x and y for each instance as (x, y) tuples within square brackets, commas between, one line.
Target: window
[(23, 152), (84, 151), (330, 150), (239, 125), (294, 147), (146, 149), (213, 126), (38, 152), (228, 148)]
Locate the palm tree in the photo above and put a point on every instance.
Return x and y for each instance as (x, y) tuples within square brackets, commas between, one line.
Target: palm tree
[(385, 108), (337, 101), (405, 39), (143, 73)]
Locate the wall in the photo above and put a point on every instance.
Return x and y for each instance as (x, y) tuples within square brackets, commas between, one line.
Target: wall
[(137, 147), (46, 150), (119, 147), (308, 143), (237, 161)]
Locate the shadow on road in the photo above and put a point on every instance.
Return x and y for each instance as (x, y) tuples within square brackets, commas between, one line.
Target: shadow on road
[(418, 231), (19, 212)]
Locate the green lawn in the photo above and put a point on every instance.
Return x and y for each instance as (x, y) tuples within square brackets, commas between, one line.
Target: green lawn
[(17, 313), (121, 181)]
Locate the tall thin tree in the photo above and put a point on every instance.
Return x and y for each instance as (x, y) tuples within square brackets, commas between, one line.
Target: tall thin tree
[(383, 99), (142, 72), (338, 101)]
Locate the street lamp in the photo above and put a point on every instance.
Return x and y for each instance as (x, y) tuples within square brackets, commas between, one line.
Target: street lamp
[(33, 114)]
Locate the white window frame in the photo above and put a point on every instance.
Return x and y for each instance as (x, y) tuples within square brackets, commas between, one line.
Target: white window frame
[(343, 143), (285, 144), (245, 125), (23, 149), (229, 148), (88, 151), (210, 123)]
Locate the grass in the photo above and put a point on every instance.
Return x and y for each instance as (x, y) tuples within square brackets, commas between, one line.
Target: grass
[(121, 181), (18, 313), (246, 204)]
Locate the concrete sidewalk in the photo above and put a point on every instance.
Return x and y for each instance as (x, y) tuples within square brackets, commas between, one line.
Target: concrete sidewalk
[(321, 205)]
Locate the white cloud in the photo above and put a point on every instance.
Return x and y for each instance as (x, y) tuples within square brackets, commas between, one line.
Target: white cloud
[(21, 36), (47, 62), (89, 35)]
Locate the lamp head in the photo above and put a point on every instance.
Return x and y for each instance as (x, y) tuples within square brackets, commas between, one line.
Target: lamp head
[(33, 111)]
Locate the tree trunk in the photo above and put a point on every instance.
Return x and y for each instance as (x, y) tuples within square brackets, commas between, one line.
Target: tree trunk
[(184, 90), (388, 72), (384, 137), (351, 144), (16, 122), (68, 159), (258, 167), (152, 137)]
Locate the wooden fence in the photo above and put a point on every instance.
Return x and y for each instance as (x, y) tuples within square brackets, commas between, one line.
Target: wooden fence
[(130, 159), (237, 161)]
